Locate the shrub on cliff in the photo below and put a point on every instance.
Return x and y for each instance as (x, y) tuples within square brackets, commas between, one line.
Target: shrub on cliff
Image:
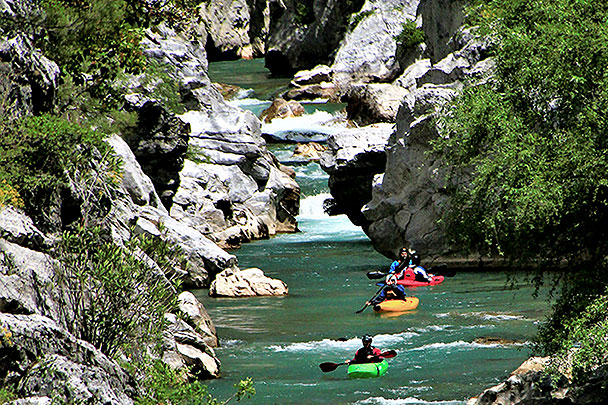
[(531, 143), (94, 41), (41, 156)]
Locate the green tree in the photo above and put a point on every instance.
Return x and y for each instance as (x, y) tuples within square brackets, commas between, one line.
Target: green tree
[(526, 150)]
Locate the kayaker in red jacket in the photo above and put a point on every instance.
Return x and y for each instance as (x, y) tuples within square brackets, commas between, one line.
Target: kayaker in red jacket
[(366, 354)]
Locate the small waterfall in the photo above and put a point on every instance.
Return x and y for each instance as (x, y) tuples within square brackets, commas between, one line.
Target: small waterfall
[(312, 207), (313, 127)]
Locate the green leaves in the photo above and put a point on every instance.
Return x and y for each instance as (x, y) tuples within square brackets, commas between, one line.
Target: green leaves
[(40, 155), (114, 299), (532, 142), (528, 163)]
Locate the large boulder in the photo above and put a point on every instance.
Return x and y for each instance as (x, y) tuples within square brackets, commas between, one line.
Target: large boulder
[(372, 103), (281, 108), (246, 283), (353, 158)]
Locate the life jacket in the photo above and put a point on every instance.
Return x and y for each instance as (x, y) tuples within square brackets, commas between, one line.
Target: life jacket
[(362, 353), (408, 274)]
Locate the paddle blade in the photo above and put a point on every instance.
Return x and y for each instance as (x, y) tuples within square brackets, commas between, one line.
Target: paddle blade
[(375, 275), (329, 366), (362, 309), (388, 354)]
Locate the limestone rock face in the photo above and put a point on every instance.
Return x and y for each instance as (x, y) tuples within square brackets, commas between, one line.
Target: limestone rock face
[(353, 158), (441, 20), (407, 199), (246, 283), (231, 190), (18, 228), (227, 23), (368, 53), (159, 143), (49, 362), (184, 347), (528, 385), (28, 80), (197, 314), (305, 33), (138, 205), (407, 194)]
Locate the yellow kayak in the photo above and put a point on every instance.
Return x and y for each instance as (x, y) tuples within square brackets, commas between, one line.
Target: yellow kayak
[(407, 304)]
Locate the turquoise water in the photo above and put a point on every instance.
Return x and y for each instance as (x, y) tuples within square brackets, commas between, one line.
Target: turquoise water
[(248, 74), (280, 341)]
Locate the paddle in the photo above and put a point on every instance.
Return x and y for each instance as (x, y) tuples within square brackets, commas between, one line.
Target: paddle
[(329, 366), (440, 270), (367, 304)]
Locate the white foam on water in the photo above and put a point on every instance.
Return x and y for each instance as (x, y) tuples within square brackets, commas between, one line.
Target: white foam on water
[(462, 345), (308, 127), (403, 401), (318, 345), (247, 102), (495, 316), (312, 207), (380, 341), (487, 316), (432, 328)]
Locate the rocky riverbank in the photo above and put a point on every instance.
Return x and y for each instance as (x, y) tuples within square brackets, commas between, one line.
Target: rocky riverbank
[(201, 180)]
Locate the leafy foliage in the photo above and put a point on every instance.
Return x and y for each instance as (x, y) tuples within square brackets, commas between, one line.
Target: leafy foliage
[(41, 155), (114, 298), (164, 385), (356, 18), (410, 35), (6, 395), (533, 140), (526, 155), (584, 346), (93, 41), (304, 12)]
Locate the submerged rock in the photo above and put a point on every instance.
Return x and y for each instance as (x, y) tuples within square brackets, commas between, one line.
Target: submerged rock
[(281, 108), (309, 151), (246, 283)]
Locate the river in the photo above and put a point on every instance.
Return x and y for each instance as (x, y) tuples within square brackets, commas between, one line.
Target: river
[(280, 341)]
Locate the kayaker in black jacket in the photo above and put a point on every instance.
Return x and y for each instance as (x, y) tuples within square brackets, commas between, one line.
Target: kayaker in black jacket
[(366, 354)]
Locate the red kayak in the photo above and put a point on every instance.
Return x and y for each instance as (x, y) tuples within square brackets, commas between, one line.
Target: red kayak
[(409, 280)]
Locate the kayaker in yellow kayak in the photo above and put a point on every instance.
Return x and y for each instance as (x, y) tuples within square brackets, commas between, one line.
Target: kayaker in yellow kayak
[(392, 291)]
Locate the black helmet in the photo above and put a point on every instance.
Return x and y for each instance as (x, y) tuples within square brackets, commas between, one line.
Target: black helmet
[(403, 249), (415, 259), (366, 339)]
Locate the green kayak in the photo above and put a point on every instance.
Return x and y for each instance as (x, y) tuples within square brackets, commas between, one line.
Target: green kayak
[(367, 370)]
